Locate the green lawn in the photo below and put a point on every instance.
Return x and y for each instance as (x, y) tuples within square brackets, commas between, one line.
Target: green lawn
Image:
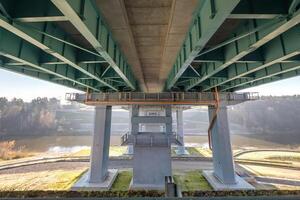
[(192, 180), (41, 180), (113, 151), (122, 181)]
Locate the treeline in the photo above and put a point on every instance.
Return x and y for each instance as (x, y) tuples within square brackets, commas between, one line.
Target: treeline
[(19, 117), (271, 115)]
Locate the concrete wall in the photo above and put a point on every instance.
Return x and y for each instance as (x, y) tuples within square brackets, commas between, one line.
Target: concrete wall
[(151, 165)]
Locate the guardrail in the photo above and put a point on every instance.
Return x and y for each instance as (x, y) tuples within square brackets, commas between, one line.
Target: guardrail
[(151, 139), (184, 98)]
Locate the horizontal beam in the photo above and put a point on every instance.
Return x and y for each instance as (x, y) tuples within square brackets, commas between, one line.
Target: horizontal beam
[(279, 50), (31, 72), (280, 77), (61, 51), (32, 11), (93, 29), (41, 19), (257, 9), (21, 51), (272, 71), (206, 22), (237, 50), (254, 16)]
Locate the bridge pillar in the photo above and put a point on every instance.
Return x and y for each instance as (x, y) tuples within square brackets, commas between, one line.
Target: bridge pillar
[(223, 176), (99, 177), (152, 146), (129, 150), (179, 119)]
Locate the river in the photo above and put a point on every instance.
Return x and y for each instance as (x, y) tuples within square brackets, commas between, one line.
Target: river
[(75, 143)]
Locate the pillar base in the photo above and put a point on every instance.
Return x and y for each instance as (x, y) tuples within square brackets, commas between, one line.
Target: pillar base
[(135, 186), (129, 151), (215, 183), (181, 150), (83, 183)]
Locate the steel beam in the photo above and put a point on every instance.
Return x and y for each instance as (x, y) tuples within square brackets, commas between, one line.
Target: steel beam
[(208, 18), (21, 51), (272, 71), (289, 74), (279, 50), (257, 9), (93, 29), (32, 11), (61, 51), (241, 48)]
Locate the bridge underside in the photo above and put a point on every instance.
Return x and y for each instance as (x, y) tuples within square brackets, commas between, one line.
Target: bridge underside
[(151, 45), (158, 53)]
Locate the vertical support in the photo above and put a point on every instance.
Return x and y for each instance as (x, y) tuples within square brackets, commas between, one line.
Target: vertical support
[(168, 110), (134, 113), (222, 152), (179, 119), (100, 146), (152, 152), (223, 176)]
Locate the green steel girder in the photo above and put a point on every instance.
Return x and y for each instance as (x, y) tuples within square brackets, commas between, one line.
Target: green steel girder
[(271, 71), (27, 71), (278, 50), (86, 18), (21, 51), (219, 56), (56, 49), (237, 50), (208, 18), (279, 77), (32, 11), (260, 9)]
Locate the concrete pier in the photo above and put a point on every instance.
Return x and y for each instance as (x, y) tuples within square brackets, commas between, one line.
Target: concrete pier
[(151, 127), (180, 131), (99, 177), (223, 176)]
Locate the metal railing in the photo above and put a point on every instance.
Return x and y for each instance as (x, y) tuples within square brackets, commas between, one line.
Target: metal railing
[(127, 98), (151, 139)]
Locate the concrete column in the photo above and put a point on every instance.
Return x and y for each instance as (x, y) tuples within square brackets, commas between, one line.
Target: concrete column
[(222, 153), (152, 160), (132, 112), (179, 119), (100, 146), (168, 110)]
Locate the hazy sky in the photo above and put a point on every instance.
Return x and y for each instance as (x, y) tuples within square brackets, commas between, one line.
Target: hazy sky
[(27, 88)]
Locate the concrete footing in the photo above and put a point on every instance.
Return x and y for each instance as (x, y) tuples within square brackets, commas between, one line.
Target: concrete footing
[(217, 185), (181, 150), (129, 151), (83, 183), (135, 186)]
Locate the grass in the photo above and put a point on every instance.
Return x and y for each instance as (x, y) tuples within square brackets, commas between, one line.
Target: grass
[(113, 151), (56, 180), (284, 158), (8, 151), (193, 151), (191, 181), (204, 152), (122, 181)]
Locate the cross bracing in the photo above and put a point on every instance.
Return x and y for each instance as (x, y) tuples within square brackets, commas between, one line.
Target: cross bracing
[(136, 45), (40, 30)]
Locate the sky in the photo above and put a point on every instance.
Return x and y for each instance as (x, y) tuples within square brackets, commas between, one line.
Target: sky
[(20, 86)]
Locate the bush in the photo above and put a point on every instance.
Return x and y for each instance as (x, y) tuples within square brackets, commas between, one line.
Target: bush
[(8, 151)]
